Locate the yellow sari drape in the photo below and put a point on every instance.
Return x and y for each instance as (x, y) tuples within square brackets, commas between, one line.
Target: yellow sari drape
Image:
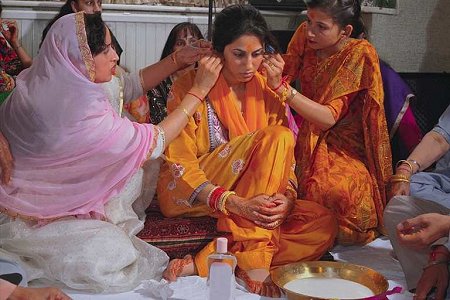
[(256, 156), (347, 167)]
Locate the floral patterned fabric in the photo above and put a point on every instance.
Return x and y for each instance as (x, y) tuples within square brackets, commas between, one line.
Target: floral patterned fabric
[(347, 167), (249, 152)]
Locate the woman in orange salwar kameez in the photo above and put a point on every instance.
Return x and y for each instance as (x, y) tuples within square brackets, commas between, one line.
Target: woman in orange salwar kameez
[(343, 152), (238, 142)]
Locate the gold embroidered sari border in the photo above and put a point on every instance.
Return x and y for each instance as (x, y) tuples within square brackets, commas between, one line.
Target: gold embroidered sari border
[(86, 54)]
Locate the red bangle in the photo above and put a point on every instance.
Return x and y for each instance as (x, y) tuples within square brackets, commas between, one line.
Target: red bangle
[(281, 83), (192, 94)]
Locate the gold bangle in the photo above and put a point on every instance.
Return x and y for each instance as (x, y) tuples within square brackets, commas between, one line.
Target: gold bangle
[(414, 162), (399, 180), (223, 201), (400, 176), (184, 110), (402, 161), (284, 94)]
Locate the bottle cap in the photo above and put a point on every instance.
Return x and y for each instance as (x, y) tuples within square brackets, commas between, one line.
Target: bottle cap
[(221, 245)]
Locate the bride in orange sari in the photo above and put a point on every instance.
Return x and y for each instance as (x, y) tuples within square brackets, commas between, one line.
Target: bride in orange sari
[(234, 161)]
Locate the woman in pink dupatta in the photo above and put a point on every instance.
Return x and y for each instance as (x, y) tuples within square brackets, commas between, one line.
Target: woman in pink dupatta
[(72, 207)]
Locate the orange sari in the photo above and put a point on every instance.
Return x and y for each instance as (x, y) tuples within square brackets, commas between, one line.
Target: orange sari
[(250, 153), (346, 168)]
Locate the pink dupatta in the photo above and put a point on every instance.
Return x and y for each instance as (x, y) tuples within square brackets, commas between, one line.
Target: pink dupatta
[(71, 151)]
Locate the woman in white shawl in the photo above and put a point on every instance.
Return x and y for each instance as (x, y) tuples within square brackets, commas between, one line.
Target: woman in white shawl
[(67, 213)]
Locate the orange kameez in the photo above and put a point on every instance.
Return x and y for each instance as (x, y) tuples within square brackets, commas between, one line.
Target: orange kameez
[(345, 168), (253, 155)]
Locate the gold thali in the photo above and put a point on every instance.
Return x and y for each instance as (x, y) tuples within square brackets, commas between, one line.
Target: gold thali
[(365, 276)]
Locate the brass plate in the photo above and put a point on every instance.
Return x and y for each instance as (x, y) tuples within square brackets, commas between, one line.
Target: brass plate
[(325, 269)]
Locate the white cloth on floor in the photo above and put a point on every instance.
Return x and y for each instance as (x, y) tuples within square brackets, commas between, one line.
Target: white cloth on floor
[(87, 254)]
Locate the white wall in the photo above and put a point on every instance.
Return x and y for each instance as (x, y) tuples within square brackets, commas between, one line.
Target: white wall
[(415, 40), (141, 30)]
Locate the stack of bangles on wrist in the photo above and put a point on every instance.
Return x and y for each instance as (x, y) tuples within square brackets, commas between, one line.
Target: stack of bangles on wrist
[(399, 178), (402, 164), (217, 198)]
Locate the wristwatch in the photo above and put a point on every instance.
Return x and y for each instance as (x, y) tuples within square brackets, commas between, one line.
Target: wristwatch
[(292, 95)]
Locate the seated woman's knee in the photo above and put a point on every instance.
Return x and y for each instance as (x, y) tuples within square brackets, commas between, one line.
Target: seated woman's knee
[(278, 133), (393, 210)]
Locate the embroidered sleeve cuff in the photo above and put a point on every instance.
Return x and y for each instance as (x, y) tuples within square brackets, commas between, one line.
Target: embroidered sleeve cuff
[(197, 191), (160, 143)]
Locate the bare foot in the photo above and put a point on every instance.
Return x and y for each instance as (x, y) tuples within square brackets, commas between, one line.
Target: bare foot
[(47, 293), (258, 281), (180, 267)]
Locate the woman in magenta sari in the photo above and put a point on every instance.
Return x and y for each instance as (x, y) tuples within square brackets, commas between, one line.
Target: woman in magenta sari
[(71, 209)]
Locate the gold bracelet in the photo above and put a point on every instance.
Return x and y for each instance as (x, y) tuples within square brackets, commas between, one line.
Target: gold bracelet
[(184, 110), (399, 180), (402, 161), (414, 162), (400, 176), (284, 94), (223, 202)]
